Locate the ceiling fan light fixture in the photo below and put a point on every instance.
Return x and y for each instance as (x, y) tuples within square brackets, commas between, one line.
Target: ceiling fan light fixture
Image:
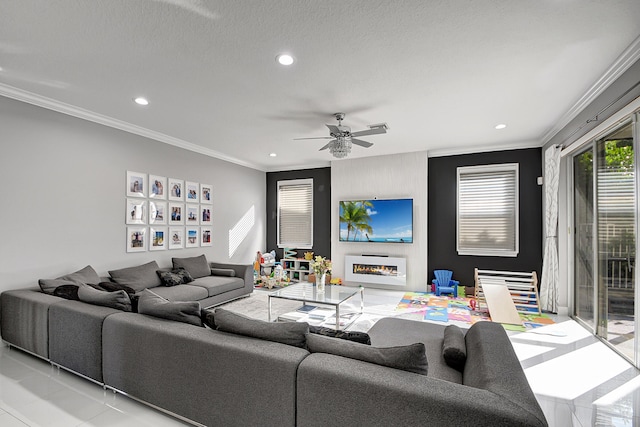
[(284, 59), (340, 148)]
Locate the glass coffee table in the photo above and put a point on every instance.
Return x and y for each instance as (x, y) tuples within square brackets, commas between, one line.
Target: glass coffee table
[(305, 292)]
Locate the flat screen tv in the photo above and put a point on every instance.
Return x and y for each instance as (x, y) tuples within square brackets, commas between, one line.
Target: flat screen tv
[(377, 221)]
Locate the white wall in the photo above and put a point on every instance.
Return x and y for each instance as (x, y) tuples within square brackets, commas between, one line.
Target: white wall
[(63, 195), (392, 176)]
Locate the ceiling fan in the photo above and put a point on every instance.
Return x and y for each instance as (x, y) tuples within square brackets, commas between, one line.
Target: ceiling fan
[(342, 138)]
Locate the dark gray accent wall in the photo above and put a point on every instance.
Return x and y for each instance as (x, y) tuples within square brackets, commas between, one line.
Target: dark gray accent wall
[(442, 196), (321, 209)]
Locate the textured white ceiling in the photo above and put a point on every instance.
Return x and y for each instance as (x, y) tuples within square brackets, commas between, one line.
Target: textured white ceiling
[(441, 73)]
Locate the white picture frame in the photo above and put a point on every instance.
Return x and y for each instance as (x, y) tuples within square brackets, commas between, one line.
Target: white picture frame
[(136, 212), (192, 237), (157, 238), (192, 192), (205, 215), (175, 214), (175, 189), (157, 212), (157, 187), (192, 215), (205, 236), (136, 184), (136, 239), (176, 237), (206, 193)]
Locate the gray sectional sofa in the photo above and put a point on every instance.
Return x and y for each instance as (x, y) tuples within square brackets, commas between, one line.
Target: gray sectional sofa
[(216, 378)]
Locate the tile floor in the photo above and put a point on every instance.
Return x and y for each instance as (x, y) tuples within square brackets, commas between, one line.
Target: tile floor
[(577, 379)]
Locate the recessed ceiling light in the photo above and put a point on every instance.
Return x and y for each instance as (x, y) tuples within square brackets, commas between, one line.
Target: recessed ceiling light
[(273, 154), (501, 126), (284, 59), (141, 101)]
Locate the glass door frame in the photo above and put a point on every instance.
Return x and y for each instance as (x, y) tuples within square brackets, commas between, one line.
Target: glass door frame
[(591, 145)]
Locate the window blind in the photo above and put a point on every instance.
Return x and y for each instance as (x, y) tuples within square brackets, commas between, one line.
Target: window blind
[(487, 215), (295, 213)]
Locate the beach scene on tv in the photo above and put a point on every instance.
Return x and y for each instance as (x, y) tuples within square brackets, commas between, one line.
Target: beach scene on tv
[(386, 221)]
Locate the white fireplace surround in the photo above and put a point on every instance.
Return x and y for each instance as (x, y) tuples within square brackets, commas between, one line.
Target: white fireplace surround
[(382, 270)]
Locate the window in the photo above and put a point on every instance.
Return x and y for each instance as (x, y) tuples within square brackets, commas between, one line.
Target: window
[(295, 213), (487, 220)]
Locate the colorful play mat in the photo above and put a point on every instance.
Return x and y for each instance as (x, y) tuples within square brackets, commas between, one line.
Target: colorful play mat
[(446, 309)]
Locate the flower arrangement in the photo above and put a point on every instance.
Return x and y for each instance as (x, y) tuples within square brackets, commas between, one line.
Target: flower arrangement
[(321, 265)]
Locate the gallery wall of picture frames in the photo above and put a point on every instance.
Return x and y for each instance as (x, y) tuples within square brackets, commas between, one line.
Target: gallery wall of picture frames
[(167, 213)]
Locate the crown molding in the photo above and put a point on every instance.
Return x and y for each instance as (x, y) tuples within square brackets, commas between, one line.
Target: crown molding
[(474, 149), (630, 55), (81, 113)]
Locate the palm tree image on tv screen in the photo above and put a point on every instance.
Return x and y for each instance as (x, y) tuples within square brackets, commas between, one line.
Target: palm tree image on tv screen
[(377, 221)]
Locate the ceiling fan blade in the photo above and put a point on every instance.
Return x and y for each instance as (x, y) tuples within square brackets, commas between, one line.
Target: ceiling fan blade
[(317, 137), (328, 145), (334, 129), (372, 131), (361, 143)]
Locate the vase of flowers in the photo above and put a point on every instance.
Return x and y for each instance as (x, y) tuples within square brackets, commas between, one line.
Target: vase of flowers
[(321, 266)]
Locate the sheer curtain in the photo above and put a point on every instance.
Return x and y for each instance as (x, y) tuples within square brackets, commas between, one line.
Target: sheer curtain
[(549, 280)]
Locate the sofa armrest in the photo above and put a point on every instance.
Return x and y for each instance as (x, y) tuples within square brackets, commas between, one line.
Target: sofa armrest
[(332, 389), (243, 271)]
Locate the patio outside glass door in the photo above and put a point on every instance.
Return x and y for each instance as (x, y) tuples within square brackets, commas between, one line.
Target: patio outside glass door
[(604, 199)]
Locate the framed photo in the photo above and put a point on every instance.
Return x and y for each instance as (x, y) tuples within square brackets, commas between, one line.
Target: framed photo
[(175, 189), (192, 238), (157, 238), (205, 236), (176, 237), (136, 211), (206, 193), (157, 187), (176, 213), (205, 215), (192, 192), (136, 184), (192, 215), (136, 241), (157, 212)]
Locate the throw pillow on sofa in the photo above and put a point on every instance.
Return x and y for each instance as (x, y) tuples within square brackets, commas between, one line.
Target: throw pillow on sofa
[(86, 275), (411, 358), (138, 278), (293, 333), (196, 266), (153, 304), (360, 337), (118, 299), (175, 277), (454, 349), (69, 292)]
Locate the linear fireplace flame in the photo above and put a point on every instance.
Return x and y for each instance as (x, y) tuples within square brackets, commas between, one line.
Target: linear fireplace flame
[(376, 269)]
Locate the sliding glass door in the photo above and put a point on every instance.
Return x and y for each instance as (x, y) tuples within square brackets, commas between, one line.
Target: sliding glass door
[(604, 244)]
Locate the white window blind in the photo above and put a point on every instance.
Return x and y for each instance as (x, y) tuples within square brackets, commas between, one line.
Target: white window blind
[(487, 216), (295, 213)]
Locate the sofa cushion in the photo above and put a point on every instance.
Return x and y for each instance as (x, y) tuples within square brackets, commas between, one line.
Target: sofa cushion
[(223, 272), (153, 304), (180, 292), (361, 337), (454, 349), (216, 285), (119, 299), (411, 358), (196, 266), (292, 333), (113, 287), (139, 277), (86, 275)]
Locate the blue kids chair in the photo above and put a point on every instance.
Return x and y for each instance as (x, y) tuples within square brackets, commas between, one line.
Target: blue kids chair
[(444, 284)]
